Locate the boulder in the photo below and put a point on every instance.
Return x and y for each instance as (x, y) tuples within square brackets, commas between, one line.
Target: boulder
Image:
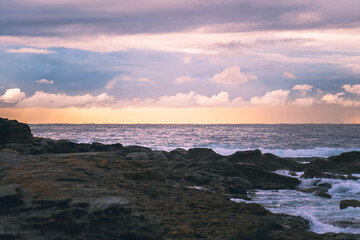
[(345, 163), (201, 154), (12, 131), (349, 203), (321, 193), (245, 156)]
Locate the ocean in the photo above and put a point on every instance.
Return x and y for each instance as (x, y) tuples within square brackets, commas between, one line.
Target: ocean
[(285, 140)]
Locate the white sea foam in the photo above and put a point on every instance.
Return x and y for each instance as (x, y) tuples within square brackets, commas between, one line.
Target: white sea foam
[(347, 187)]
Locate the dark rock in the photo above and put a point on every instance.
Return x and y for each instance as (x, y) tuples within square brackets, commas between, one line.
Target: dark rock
[(134, 148), (99, 147), (159, 156), (267, 161), (9, 197), (312, 173), (345, 163), (11, 131), (263, 179), (245, 156), (349, 203), (321, 193), (200, 154), (137, 156)]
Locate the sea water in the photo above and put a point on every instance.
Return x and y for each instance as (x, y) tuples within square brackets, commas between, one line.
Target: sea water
[(324, 214), (285, 140)]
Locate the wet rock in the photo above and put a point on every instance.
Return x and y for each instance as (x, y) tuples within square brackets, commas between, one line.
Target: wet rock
[(310, 173), (263, 179), (349, 203), (345, 163), (321, 193), (267, 161), (14, 132)]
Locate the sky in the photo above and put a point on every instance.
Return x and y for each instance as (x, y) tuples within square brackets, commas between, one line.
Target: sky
[(203, 61)]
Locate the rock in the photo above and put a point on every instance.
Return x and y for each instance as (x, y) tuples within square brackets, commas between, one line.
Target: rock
[(312, 173), (245, 156), (9, 197), (159, 156), (321, 193), (99, 147), (179, 151), (200, 178), (134, 148), (201, 154), (352, 177), (12, 132), (267, 161), (48, 146), (345, 163), (349, 203), (219, 189), (263, 179), (137, 156)]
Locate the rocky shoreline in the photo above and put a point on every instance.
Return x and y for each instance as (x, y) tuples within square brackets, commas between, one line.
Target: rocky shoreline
[(63, 190)]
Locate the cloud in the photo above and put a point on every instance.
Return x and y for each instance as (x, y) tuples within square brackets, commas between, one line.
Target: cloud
[(288, 75), (352, 88), (277, 97), (303, 88), (140, 80), (184, 100), (185, 79), (30, 50), (232, 75), (301, 18), (12, 95), (62, 100), (337, 99), (304, 102), (45, 81)]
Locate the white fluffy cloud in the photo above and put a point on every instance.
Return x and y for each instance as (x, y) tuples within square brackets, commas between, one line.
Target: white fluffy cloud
[(303, 88), (30, 50), (338, 99), (54, 100), (288, 75), (352, 88), (232, 75), (277, 97), (184, 100), (45, 81), (12, 95)]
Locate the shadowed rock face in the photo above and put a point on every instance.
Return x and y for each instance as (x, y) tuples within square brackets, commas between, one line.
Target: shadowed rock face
[(11, 131)]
